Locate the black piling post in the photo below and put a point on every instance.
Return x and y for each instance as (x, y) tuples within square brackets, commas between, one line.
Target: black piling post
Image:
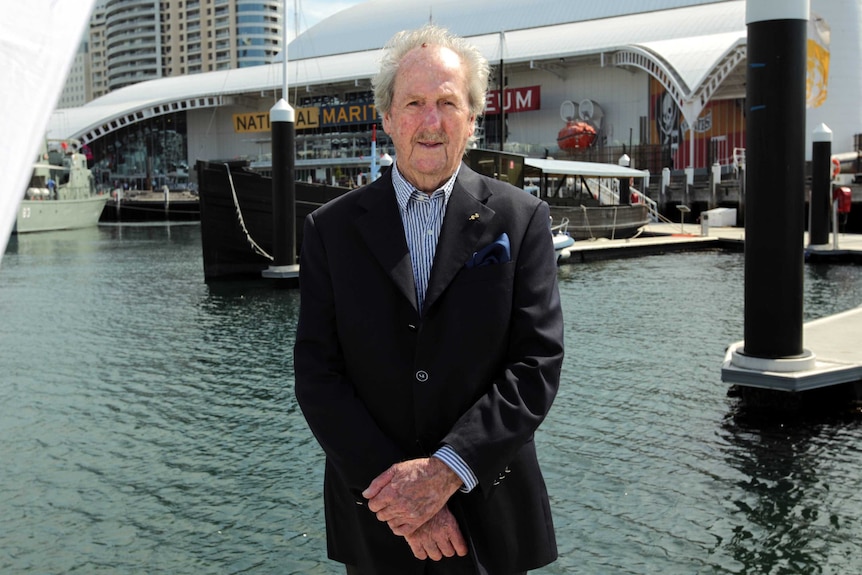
[(281, 117), (625, 196), (775, 186), (821, 183)]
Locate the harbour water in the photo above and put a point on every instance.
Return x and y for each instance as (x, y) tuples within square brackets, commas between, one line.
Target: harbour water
[(148, 422)]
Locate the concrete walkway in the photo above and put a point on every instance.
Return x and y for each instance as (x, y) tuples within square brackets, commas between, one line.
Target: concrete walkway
[(834, 343), (848, 242), (667, 238)]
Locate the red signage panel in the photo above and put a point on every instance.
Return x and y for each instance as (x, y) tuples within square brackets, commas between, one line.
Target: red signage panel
[(514, 100)]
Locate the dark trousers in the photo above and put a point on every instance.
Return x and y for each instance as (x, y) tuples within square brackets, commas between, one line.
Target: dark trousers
[(453, 566)]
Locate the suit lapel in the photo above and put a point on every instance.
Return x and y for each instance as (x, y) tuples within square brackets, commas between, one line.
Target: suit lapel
[(466, 219), (383, 232)]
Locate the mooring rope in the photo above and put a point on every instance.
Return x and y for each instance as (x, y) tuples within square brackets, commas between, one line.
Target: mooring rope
[(239, 218), (587, 221)]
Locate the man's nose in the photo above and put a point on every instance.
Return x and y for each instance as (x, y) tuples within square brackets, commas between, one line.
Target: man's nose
[(431, 116)]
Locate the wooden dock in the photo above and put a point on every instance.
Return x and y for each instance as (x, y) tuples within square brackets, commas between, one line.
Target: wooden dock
[(654, 239), (669, 238)]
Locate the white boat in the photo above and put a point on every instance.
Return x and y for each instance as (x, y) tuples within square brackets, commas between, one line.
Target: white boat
[(62, 193), (563, 240)]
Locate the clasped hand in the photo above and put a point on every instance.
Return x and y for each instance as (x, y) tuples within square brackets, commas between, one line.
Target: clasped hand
[(411, 498)]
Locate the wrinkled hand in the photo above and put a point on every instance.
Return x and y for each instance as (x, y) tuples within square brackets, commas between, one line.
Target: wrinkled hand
[(439, 537), (408, 494)]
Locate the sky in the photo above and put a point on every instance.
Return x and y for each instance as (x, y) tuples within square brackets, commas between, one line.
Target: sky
[(313, 11), (310, 12)]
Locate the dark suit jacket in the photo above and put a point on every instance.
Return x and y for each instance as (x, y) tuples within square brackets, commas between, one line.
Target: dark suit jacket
[(379, 383)]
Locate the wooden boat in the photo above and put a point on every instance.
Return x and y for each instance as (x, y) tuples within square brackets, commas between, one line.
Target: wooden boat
[(236, 217), (584, 193), (170, 205), (610, 222)]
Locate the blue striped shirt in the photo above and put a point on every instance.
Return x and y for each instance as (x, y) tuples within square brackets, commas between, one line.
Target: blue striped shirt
[(422, 216)]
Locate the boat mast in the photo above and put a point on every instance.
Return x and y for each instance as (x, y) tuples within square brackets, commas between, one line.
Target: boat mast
[(284, 48), (501, 78)]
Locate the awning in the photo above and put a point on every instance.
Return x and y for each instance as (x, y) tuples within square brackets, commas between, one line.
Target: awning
[(586, 169)]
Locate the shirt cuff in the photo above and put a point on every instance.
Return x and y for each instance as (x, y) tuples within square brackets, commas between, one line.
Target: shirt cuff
[(448, 456)]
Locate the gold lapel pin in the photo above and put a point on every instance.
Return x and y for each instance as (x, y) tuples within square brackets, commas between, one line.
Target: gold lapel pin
[(474, 217)]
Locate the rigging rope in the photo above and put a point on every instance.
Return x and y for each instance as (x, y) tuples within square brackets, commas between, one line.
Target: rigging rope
[(241, 221), (587, 221)]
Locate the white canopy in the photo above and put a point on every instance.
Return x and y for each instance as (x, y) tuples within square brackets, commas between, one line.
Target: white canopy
[(37, 45), (586, 169)]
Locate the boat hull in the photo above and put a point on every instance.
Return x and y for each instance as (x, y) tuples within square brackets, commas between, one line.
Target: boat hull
[(181, 206), (226, 240), (48, 215), (613, 222)]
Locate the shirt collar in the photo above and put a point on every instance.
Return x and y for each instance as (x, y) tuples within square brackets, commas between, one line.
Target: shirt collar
[(404, 189)]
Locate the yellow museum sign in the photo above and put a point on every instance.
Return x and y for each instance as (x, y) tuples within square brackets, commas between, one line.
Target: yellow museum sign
[(304, 119)]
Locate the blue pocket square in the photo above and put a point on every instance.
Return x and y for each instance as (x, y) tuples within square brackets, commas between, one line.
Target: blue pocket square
[(496, 252)]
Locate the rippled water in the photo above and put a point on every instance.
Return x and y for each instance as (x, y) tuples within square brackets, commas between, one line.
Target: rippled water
[(148, 423)]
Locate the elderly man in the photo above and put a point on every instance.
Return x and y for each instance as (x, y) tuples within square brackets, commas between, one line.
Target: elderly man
[(430, 339)]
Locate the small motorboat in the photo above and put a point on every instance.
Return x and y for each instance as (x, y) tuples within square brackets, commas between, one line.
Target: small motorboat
[(562, 240)]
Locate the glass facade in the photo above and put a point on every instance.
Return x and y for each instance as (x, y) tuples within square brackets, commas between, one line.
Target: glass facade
[(143, 156)]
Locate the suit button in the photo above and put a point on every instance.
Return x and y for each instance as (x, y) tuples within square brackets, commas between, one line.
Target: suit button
[(411, 327), (421, 376)]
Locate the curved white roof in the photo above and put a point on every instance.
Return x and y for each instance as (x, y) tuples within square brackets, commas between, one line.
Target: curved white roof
[(368, 25), (685, 39)]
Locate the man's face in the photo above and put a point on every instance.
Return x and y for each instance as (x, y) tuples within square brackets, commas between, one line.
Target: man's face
[(429, 121)]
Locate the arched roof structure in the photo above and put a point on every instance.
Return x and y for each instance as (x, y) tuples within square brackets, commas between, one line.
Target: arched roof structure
[(695, 48)]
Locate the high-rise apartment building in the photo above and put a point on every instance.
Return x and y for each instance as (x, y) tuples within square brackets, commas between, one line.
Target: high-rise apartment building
[(133, 42), (78, 88), (98, 59), (130, 41)]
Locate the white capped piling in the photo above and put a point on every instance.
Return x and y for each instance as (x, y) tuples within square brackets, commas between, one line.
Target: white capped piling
[(714, 181), (821, 184), (375, 170), (775, 186), (625, 189), (689, 185), (283, 127), (665, 182), (281, 117)]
